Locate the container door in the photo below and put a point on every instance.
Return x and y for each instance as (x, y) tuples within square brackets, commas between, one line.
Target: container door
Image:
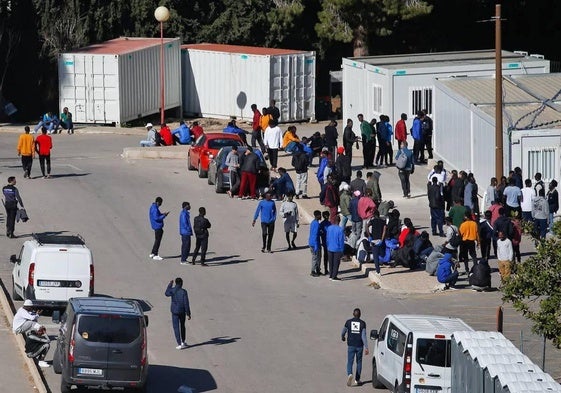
[(541, 154), (88, 65), (72, 86)]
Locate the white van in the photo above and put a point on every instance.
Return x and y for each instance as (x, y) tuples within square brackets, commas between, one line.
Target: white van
[(51, 269), (412, 353)]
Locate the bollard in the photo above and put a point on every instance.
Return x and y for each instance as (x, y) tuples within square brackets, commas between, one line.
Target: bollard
[(500, 319)]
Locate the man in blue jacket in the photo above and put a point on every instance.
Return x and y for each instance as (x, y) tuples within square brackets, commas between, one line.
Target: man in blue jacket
[(268, 211), (186, 231), (419, 142), (445, 272), (182, 134), (157, 223), (335, 247), (179, 310), (314, 243)]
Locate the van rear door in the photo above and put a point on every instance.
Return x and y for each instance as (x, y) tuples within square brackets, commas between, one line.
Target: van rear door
[(125, 349), (431, 371), (62, 273)]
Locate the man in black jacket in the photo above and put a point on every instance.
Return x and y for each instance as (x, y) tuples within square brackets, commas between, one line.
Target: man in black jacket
[(11, 200), (436, 205), (480, 276), (343, 166), (300, 162), (249, 168), (331, 136), (179, 310)]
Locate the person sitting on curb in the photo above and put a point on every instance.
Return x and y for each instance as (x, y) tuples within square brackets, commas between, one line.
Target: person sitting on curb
[(446, 273), (290, 140), (182, 134), (37, 344), (26, 318), (232, 128), (150, 136), (480, 276), (50, 121)]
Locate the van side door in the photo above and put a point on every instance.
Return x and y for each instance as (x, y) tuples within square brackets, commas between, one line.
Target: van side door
[(392, 361)]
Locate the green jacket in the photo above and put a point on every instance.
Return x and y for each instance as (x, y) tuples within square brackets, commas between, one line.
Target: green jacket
[(366, 131), (344, 201)]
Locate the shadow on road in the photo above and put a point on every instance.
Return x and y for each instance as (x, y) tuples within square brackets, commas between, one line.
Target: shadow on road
[(217, 341), (176, 379)]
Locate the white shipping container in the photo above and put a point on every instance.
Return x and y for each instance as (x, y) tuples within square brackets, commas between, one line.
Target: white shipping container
[(119, 80), (224, 80)]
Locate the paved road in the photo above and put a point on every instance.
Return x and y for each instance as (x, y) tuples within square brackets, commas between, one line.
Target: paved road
[(260, 322)]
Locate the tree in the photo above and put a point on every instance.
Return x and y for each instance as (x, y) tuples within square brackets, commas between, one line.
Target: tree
[(535, 288), (359, 21)]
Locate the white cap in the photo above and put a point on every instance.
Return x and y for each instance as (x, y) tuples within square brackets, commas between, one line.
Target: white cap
[(28, 303), (148, 125)]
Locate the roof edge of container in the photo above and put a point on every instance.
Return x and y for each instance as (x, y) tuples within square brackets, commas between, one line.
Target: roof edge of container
[(242, 49)]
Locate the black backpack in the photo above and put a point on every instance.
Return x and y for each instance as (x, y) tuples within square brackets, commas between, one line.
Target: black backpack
[(456, 239)]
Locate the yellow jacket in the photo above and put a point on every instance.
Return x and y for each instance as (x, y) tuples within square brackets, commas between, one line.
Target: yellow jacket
[(469, 230), (26, 145), (289, 137), (264, 122)]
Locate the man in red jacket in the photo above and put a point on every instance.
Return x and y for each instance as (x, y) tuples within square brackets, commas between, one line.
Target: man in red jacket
[(165, 133), (43, 146), (401, 129)]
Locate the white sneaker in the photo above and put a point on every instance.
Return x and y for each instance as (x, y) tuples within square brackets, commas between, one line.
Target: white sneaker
[(184, 345), (151, 255), (43, 364), (183, 262), (350, 380), (157, 258), (179, 347)]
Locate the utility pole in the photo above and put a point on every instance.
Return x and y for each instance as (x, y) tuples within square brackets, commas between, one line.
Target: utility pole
[(499, 171)]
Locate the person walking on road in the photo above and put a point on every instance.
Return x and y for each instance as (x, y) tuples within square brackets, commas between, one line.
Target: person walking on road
[(315, 244), (291, 220), (179, 310), (11, 200), (407, 170), (157, 223), (26, 318), (268, 211), (201, 226), (26, 149), (186, 231), (335, 247), (355, 333), (43, 146)]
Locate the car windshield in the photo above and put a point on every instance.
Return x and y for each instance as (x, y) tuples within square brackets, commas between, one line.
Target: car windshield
[(433, 352), (220, 143), (110, 328)]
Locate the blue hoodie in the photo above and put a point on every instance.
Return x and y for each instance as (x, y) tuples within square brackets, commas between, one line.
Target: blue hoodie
[(335, 238), (184, 134), (156, 217), (322, 164), (417, 129), (185, 228), (445, 267), (313, 240), (268, 211)]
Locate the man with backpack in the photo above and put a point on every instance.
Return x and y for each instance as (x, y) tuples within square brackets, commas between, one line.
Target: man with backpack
[(406, 167)]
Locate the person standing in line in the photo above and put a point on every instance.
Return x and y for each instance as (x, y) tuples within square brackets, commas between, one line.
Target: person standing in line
[(268, 211), (512, 195), (553, 201), (355, 331), (331, 136), (349, 137), (43, 146), (274, 111), (11, 200), (401, 129), (335, 239), (540, 213), (233, 164), (344, 202), (436, 206), (490, 194), (26, 318), (526, 202), (331, 198), (427, 127), (179, 310), (389, 149), (368, 146), (256, 133), (300, 162), (315, 244), (407, 171), (418, 142), (505, 254), (201, 226), (343, 166), (291, 220), (382, 133), (486, 235), (323, 225), (273, 139), (157, 223), (186, 231), (469, 231), (26, 149)]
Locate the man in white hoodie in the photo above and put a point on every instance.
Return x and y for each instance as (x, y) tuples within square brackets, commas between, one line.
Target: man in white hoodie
[(26, 318), (273, 139)]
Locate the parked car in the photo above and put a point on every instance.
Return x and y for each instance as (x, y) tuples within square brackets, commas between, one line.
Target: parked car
[(412, 353), (206, 147), (51, 269), (102, 342), (218, 174)]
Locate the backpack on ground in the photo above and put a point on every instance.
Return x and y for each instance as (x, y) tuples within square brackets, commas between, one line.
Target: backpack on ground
[(401, 160)]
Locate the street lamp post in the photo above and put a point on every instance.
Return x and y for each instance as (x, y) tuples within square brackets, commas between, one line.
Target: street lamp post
[(162, 15)]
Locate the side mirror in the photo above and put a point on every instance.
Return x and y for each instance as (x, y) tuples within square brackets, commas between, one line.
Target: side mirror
[(56, 316), (374, 335), (13, 258), (146, 320)]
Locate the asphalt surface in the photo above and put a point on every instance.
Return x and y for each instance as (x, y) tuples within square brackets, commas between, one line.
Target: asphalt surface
[(260, 323)]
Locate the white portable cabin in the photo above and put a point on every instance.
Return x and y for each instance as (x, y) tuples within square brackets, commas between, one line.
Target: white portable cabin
[(119, 80), (396, 84), (225, 80), (531, 125)]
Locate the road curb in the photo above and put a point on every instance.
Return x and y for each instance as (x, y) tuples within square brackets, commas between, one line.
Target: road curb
[(31, 366)]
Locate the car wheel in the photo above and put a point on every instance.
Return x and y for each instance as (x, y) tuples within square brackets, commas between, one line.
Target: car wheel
[(189, 166), (218, 185), (57, 365), (376, 384), (202, 174), (64, 387), (15, 295)]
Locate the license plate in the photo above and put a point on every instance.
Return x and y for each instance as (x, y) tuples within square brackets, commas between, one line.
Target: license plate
[(90, 371), (424, 390), (42, 283)]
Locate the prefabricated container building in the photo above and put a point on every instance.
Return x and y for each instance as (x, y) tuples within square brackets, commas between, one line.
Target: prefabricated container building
[(396, 84), (225, 80), (119, 80)]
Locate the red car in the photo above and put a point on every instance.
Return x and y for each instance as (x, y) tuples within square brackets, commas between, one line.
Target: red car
[(206, 147)]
